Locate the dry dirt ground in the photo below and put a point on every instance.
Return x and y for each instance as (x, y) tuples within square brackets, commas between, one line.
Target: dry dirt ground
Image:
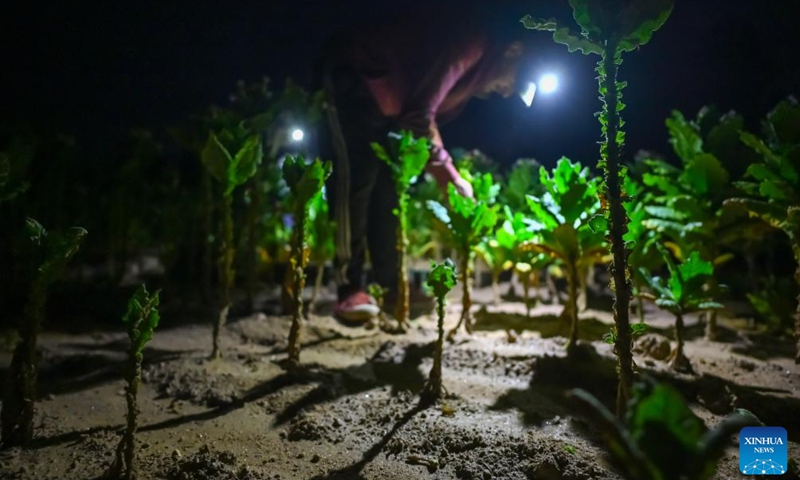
[(354, 414)]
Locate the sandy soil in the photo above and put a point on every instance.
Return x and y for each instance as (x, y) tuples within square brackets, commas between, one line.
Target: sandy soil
[(354, 413)]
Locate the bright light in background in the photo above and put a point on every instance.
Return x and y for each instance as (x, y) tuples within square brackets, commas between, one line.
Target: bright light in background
[(527, 97), (548, 83), (298, 135)]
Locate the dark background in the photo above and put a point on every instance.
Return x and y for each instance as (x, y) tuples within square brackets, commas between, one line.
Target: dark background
[(96, 69)]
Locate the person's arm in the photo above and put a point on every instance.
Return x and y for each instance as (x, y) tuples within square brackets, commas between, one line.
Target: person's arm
[(421, 107)]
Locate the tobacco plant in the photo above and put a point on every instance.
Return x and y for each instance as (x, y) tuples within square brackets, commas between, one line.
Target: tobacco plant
[(773, 184), (305, 181), (231, 157), (53, 251), (660, 438), (689, 289), (563, 233), (686, 203), (609, 29), (442, 279), (468, 221), (406, 157), (498, 254), (141, 319), (522, 180)]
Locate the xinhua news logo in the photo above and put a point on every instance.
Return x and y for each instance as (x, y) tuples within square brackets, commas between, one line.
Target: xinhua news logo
[(763, 451)]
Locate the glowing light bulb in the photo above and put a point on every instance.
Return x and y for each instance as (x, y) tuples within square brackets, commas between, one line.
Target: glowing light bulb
[(548, 83), (298, 135)]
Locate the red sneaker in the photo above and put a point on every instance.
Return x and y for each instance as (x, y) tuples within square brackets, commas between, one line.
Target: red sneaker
[(357, 307)]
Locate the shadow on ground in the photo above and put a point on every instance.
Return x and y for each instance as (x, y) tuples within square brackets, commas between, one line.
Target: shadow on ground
[(553, 376)]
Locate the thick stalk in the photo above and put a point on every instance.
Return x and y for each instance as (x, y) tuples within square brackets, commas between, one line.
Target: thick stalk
[(466, 300), (225, 272), (680, 362), (535, 284), (434, 390), (711, 325), (297, 264), (618, 226), (133, 411), (18, 405), (526, 293), (496, 287), (640, 308), (402, 305), (583, 284), (572, 286)]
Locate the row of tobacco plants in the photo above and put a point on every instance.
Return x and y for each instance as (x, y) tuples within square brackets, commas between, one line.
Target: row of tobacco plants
[(251, 213)]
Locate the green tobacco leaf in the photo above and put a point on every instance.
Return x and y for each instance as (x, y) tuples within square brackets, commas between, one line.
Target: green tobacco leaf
[(592, 18), (563, 35), (666, 213), (784, 120), (60, 247), (141, 317), (245, 163), (638, 328), (35, 231), (665, 428), (442, 278), (773, 214), (305, 179), (759, 147), (640, 19), (405, 155), (572, 193), (704, 174), (565, 238), (216, 158), (684, 138), (599, 224)]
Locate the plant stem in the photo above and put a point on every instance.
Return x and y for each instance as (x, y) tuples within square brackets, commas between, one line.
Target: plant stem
[(434, 389), (496, 287), (466, 300), (711, 325), (133, 412), (297, 264), (680, 363), (526, 288), (225, 272), (402, 305), (18, 405), (640, 308), (126, 451), (572, 281), (618, 226)]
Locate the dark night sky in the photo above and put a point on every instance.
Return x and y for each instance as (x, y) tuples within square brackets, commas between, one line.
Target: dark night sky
[(98, 68)]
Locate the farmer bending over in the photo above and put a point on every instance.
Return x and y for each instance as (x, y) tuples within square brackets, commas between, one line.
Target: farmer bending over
[(410, 73)]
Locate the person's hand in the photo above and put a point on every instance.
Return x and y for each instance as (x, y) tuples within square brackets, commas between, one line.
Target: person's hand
[(463, 187)]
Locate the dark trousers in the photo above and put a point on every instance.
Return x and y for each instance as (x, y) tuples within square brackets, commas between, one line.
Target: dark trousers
[(361, 191)]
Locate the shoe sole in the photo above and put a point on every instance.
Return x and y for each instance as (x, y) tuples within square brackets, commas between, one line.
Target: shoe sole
[(360, 315)]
